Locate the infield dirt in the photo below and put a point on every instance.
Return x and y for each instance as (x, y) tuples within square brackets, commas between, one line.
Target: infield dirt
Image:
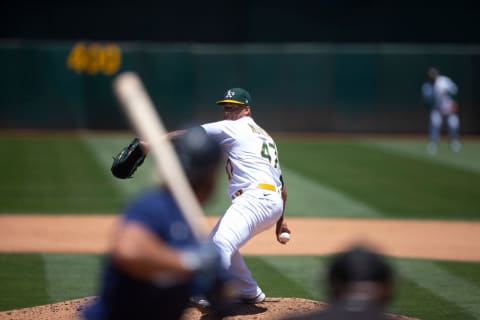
[(432, 239)]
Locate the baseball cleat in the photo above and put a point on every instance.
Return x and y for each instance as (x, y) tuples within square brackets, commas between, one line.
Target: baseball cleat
[(200, 302), (432, 148), (455, 146), (257, 299)]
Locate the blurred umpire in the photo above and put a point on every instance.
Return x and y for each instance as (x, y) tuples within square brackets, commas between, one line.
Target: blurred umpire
[(359, 286), (155, 263)]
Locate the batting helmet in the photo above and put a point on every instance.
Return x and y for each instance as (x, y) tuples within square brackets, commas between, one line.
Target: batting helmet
[(357, 265), (198, 153)]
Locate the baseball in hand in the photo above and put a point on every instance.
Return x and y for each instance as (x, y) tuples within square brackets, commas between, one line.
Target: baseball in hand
[(284, 237)]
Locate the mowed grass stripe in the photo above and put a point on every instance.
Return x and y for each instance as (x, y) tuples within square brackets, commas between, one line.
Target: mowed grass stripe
[(53, 175), (450, 287), (307, 272), (22, 280), (396, 185), (467, 159), (412, 299), (71, 276), (308, 197), (104, 149), (274, 282), (469, 271)]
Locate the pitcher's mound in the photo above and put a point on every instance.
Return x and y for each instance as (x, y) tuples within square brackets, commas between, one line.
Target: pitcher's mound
[(270, 309), (273, 309)]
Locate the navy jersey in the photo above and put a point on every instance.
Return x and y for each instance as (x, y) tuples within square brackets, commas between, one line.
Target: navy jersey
[(126, 297)]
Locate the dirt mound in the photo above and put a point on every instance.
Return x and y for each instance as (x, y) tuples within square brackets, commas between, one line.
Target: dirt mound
[(271, 309), (65, 310)]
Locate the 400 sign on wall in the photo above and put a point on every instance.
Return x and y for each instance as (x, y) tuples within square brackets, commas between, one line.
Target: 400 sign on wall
[(95, 58)]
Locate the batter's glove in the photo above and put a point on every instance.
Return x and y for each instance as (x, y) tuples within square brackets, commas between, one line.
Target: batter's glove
[(128, 160)]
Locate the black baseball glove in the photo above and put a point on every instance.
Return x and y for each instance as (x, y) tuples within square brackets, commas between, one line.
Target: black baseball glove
[(128, 160)]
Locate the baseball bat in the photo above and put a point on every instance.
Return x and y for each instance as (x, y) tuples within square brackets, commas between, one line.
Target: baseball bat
[(141, 112)]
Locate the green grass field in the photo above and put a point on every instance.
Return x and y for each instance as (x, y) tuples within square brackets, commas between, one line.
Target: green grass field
[(348, 177)]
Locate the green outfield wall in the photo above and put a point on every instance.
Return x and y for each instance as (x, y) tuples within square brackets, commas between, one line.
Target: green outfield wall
[(295, 87)]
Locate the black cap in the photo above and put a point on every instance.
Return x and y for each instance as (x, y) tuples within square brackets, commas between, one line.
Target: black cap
[(359, 264)]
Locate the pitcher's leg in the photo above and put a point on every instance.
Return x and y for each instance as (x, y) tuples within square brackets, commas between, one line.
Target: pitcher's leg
[(265, 209), (247, 286), (229, 234), (453, 125), (434, 131)]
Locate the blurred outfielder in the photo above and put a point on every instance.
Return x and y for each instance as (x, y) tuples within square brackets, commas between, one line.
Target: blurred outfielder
[(437, 94)]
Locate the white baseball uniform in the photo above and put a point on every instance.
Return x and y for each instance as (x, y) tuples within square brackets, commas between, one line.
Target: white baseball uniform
[(254, 186), (443, 107), (443, 89)]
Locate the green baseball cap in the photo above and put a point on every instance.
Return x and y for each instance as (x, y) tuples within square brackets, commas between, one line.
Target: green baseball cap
[(236, 95)]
